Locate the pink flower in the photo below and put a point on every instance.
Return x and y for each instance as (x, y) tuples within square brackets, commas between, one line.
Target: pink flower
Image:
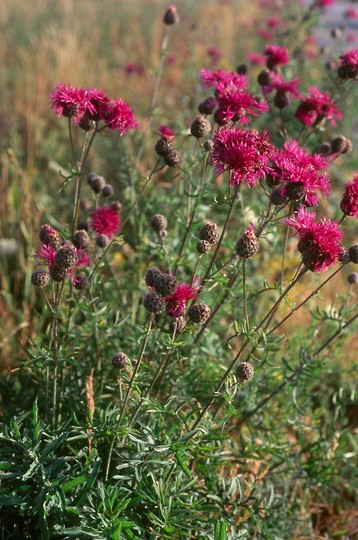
[(320, 243), (292, 165), (120, 117), (65, 100), (45, 256), (349, 202), (233, 102), (167, 132), (133, 69), (105, 220), (348, 68), (273, 22), (324, 3), (276, 55), (351, 13), (278, 83), (243, 152), (316, 107), (255, 58), (176, 302), (94, 104), (215, 54)]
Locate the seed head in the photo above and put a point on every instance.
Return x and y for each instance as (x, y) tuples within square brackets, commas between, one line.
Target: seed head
[(96, 182), (199, 313), (209, 232), (66, 256), (165, 284), (153, 302), (107, 190), (245, 372), (120, 360), (172, 158), (40, 278), (81, 239), (159, 222), (163, 146), (151, 276), (353, 254), (80, 282), (203, 246), (352, 278), (102, 240), (200, 127), (248, 245)]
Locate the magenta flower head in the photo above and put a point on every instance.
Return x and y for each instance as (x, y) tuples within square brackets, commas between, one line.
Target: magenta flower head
[(167, 132), (120, 117), (324, 3), (94, 105), (295, 168), (105, 220), (176, 302), (245, 153), (348, 68), (276, 55), (320, 243), (349, 202), (316, 107), (65, 100), (46, 256)]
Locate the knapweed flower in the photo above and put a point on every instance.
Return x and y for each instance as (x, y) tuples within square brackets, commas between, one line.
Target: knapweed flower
[(348, 68), (120, 117), (293, 166), (349, 202), (255, 58), (105, 220), (65, 100), (46, 256), (278, 83), (316, 107), (167, 132), (245, 153), (276, 55), (176, 302), (320, 243), (215, 54), (234, 103)]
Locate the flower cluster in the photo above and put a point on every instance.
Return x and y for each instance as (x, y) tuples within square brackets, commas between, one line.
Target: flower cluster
[(245, 153), (105, 220), (275, 56), (293, 166), (348, 68), (233, 102), (349, 202), (62, 262), (317, 107), (320, 243), (88, 106)]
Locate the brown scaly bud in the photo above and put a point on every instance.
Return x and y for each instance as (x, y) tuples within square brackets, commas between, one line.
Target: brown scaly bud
[(58, 274), (200, 127), (153, 302), (159, 222), (49, 236), (107, 190), (171, 15), (163, 146), (172, 158), (339, 144), (209, 232), (325, 148), (245, 372), (102, 240), (120, 360), (116, 206), (353, 254), (281, 100), (87, 124), (151, 276), (80, 282), (207, 106), (352, 278), (82, 225), (165, 284), (96, 182), (81, 239), (272, 180), (247, 245), (264, 77), (242, 69), (66, 256), (208, 146), (40, 278), (203, 246), (178, 323), (295, 191), (277, 198), (199, 313)]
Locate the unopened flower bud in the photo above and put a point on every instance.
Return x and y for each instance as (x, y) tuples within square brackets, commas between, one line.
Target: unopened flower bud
[(40, 278), (120, 360), (172, 158), (209, 232), (153, 302), (245, 372), (248, 245), (102, 240), (171, 15), (107, 190), (199, 313), (159, 222), (200, 127)]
